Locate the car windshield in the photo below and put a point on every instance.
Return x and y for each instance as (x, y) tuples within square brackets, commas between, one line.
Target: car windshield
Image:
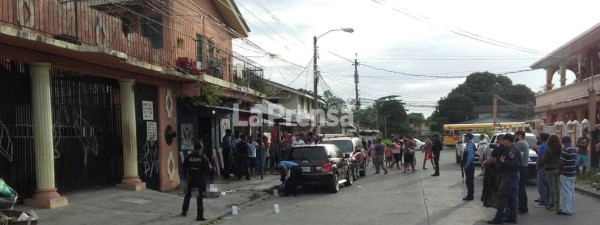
[(308, 153), (531, 141), (344, 145)]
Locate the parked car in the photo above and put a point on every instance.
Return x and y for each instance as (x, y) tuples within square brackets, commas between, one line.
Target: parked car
[(419, 144), (352, 146), (462, 146), (531, 139), (322, 164)]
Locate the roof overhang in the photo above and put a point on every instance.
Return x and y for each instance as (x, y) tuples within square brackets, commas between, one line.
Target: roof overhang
[(232, 16), (290, 90), (563, 53)]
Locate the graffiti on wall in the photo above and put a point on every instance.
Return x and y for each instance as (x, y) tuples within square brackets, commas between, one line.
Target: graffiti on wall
[(6, 145), (83, 131), (150, 158)]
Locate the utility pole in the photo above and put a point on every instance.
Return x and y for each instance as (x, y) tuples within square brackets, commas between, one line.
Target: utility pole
[(494, 113), (316, 81), (356, 88)]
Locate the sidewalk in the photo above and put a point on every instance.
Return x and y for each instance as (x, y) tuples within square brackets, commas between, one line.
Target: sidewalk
[(151, 207)]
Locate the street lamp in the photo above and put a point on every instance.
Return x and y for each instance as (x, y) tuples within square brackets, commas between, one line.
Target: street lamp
[(315, 72)]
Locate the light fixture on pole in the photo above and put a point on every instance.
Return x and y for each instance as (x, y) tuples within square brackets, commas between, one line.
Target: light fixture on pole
[(316, 74)]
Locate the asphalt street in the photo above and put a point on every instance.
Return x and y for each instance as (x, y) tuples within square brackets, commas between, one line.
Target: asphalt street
[(402, 198)]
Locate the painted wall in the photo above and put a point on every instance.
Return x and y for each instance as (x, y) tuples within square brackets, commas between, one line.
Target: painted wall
[(168, 154)]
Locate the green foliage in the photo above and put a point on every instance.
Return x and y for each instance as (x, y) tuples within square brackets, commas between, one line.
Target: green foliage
[(591, 178), (207, 95), (437, 123), (478, 90), (391, 109), (487, 131), (367, 118), (334, 102)]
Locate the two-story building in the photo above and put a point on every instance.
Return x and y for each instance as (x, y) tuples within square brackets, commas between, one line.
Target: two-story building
[(89, 90), (578, 100)]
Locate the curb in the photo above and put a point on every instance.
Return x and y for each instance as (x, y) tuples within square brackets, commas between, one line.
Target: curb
[(244, 204), (585, 191)]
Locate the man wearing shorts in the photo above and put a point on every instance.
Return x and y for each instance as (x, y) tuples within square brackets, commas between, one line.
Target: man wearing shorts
[(582, 155), (428, 154)]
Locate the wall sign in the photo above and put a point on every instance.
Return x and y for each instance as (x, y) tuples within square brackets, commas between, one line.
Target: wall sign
[(147, 110), (151, 131)]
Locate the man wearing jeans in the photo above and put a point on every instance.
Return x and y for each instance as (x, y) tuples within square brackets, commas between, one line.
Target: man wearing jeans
[(379, 150), (567, 177), (521, 192), (542, 183)]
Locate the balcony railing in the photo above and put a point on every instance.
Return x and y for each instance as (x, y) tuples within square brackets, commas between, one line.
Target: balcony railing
[(574, 91), (147, 31)]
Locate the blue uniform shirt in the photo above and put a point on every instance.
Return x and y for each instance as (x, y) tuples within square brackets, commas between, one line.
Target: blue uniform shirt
[(470, 153), (287, 164)]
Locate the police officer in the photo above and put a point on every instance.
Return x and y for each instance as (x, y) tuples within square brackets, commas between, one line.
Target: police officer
[(510, 163), (437, 147), (468, 166), (290, 176), (196, 168)]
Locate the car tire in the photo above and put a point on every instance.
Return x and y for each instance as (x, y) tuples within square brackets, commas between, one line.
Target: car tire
[(334, 186), (363, 172), (349, 177)]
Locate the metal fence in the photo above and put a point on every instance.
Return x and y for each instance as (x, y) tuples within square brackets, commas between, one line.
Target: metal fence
[(158, 32)]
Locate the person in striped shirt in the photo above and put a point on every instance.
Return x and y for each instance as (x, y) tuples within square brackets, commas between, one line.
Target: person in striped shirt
[(567, 177)]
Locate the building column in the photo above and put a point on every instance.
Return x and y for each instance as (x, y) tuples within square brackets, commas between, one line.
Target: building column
[(563, 75), (549, 74), (131, 180), (46, 195)]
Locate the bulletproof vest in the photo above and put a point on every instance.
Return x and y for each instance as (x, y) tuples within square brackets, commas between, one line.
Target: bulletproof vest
[(197, 164)]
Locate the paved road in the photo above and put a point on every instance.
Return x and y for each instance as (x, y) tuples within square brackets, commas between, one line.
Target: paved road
[(399, 198)]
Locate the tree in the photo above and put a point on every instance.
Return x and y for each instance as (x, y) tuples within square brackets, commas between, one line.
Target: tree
[(414, 118), (390, 110), (478, 90), (333, 102)]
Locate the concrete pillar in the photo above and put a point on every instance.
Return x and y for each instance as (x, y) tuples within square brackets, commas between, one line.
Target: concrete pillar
[(131, 180), (549, 74), (46, 195), (592, 118), (563, 75)]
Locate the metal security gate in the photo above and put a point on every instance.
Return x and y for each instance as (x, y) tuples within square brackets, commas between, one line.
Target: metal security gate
[(146, 102), (17, 161), (87, 131)]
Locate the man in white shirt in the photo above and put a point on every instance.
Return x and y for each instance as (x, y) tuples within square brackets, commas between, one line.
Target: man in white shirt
[(298, 141), (481, 146)]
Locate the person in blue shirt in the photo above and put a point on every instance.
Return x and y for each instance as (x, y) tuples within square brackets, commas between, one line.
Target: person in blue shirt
[(469, 166), (542, 183), (290, 177)]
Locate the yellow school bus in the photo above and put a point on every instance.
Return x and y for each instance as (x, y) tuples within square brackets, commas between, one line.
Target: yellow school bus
[(452, 132)]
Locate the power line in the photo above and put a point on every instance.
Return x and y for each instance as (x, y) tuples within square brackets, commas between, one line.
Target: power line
[(461, 32)]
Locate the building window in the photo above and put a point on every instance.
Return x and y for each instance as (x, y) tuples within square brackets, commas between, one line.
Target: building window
[(199, 48), (152, 29)]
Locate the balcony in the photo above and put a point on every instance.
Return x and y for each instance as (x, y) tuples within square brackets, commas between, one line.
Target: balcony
[(124, 34), (567, 94)]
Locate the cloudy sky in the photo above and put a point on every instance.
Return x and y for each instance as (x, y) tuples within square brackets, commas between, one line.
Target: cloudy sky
[(423, 38)]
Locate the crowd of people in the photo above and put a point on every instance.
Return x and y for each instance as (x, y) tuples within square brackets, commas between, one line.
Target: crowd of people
[(401, 151), (248, 155), (557, 167)]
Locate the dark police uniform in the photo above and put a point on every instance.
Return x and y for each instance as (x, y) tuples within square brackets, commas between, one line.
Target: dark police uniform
[(196, 166), (436, 148), (506, 203)]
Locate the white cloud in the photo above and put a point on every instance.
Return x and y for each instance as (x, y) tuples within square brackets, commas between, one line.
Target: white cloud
[(387, 39)]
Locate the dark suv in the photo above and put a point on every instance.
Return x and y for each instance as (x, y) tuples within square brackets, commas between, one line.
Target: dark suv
[(322, 164), (352, 147)]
